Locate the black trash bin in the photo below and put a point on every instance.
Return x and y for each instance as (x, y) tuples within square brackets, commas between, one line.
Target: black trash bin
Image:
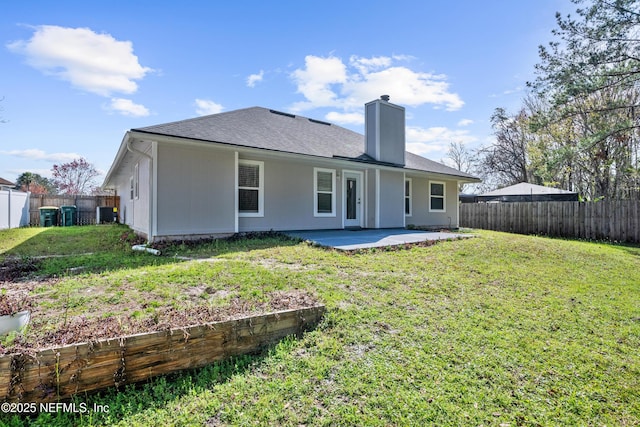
[(48, 216), (69, 215)]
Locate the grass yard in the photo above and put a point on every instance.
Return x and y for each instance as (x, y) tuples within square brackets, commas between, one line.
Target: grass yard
[(499, 329)]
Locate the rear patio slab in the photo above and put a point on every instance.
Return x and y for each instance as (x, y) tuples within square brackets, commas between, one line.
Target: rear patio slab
[(348, 240)]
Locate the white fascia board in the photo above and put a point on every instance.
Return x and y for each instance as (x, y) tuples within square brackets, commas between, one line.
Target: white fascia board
[(122, 151)]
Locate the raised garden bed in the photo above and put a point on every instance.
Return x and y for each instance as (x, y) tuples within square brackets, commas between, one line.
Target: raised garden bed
[(60, 372)]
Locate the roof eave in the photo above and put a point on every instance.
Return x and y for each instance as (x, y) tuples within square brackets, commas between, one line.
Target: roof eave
[(141, 134), (115, 165)]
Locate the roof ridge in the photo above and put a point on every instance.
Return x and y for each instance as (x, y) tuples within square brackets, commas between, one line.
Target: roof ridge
[(195, 119)]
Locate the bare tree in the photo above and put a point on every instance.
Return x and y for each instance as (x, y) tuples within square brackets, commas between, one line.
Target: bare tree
[(507, 160), (461, 158)]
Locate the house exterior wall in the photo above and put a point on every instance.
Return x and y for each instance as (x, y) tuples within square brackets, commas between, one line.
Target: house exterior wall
[(370, 199), (126, 204), (289, 197), (391, 199), (141, 202), (421, 216), (135, 211), (195, 191)]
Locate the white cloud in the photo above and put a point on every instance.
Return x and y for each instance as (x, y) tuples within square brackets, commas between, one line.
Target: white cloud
[(316, 79), (366, 65), (465, 122), (345, 118), (406, 87), (432, 140), (255, 78), (329, 82), (96, 63), (204, 107), (127, 107), (37, 154)]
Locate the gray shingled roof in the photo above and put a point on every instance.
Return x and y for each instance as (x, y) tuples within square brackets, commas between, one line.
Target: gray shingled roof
[(262, 128)]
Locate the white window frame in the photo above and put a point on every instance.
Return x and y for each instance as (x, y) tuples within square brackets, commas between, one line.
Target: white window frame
[(260, 189), (136, 181), (315, 193), (443, 197), (410, 196), (131, 187)]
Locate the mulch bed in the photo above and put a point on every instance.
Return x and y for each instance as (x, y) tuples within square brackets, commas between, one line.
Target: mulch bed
[(84, 329)]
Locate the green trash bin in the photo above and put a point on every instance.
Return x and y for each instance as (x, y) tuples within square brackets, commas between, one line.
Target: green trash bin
[(48, 216), (69, 215)]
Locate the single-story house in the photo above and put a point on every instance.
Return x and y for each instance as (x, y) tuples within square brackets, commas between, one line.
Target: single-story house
[(6, 184), (526, 192), (257, 169)]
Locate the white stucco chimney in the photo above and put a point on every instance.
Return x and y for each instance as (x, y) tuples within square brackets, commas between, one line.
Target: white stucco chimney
[(384, 128)]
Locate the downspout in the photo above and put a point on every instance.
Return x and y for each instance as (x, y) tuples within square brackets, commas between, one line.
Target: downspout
[(150, 207)]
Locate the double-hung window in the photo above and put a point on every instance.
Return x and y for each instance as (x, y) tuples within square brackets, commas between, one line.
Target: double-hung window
[(250, 188), (437, 197), (324, 189)]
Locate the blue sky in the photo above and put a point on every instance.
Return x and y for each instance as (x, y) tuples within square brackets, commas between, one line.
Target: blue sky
[(76, 75)]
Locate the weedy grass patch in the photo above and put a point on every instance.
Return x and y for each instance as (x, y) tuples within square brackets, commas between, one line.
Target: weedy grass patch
[(498, 329)]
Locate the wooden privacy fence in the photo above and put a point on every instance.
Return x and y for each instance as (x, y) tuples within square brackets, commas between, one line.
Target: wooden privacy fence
[(86, 206), (59, 373), (614, 220)]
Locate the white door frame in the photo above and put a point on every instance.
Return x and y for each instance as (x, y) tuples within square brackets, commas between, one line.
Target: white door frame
[(358, 176)]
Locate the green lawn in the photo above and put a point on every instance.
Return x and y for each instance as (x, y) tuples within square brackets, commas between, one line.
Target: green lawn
[(499, 329)]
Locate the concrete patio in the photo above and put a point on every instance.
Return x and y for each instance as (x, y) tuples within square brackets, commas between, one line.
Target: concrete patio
[(348, 240)]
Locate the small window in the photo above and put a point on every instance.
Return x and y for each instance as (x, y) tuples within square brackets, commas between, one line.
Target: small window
[(437, 196), (131, 189), (250, 188), (136, 182), (324, 186), (407, 197)]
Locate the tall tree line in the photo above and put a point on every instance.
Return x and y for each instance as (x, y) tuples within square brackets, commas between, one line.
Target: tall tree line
[(579, 128)]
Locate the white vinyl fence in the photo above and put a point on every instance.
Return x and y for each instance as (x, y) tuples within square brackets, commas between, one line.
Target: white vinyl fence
[(14, 209)]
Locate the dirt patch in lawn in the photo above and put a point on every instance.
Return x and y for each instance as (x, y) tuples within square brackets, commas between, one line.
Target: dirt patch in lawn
[(13, 268), (84, 329)]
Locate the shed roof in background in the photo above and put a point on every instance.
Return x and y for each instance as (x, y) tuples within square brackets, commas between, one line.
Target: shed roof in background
[(526, 189), (526, 192)]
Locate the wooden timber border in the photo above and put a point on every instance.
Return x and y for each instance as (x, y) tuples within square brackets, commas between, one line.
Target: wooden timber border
[(58, 373)]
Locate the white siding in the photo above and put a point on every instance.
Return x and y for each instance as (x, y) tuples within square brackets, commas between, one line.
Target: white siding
[(196, 191), (420, 204), (391, 199), (289, 198)]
